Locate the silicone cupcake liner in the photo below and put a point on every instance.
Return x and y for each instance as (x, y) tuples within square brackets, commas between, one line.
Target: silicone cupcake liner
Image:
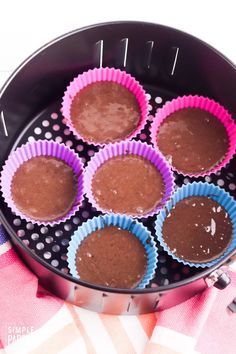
[(41, 148), (104, 74), (122, 222), (208, 105), (130, 148), (198, 189)]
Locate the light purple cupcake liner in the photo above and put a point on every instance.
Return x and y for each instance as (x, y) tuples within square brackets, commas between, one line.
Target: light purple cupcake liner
[(130, 148), (98, 75), (41, 148)]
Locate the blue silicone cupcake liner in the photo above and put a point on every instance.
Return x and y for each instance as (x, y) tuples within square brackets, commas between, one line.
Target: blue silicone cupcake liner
[(198, 189), (123, 222)]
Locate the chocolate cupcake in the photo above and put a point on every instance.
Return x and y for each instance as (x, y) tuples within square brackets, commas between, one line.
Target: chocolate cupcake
[(105, 105), (209, 231), (42, 182), (128, 178), (113, 251), (195, 134)]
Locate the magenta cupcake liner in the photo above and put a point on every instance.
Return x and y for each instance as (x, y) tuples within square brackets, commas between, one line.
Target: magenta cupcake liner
[(104, 74), (208, 105), (41, 148), (130, 148)]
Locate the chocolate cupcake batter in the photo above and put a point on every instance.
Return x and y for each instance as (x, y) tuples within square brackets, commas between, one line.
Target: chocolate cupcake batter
[(197, 230), (127, 184), (193, 140), (44, 188), (105, 112), (112, 257)]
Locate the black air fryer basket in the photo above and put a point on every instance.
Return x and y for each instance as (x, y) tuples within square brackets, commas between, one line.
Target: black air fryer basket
[(167, 63)]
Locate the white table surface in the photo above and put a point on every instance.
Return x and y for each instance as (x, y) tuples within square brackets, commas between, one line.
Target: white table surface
[(27, 25)]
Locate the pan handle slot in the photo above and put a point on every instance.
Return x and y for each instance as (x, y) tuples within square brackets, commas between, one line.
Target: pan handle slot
[(131, 300), (156, 304), (149, 50), (3, 121), (175, 54), (99, 53), (125, 46)]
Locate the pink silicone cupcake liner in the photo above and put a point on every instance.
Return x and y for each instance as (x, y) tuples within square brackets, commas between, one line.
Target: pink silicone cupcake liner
[(208, 105), (130, 148), (41, 148), (104, 74)]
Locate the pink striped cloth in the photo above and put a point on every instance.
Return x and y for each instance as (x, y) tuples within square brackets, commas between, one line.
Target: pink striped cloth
[(33, 321)]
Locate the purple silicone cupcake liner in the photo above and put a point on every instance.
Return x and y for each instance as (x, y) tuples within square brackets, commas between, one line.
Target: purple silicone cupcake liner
[(208, 105), (41, 148), (130, 148), (98, 75)]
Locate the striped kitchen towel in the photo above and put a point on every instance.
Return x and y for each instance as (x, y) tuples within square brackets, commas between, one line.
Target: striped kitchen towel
[(35, 322)]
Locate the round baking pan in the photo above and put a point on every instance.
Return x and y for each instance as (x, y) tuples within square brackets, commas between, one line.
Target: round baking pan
[(168, 63)]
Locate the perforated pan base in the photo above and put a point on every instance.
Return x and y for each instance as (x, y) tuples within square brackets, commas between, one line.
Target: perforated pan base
[(50, 243)]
